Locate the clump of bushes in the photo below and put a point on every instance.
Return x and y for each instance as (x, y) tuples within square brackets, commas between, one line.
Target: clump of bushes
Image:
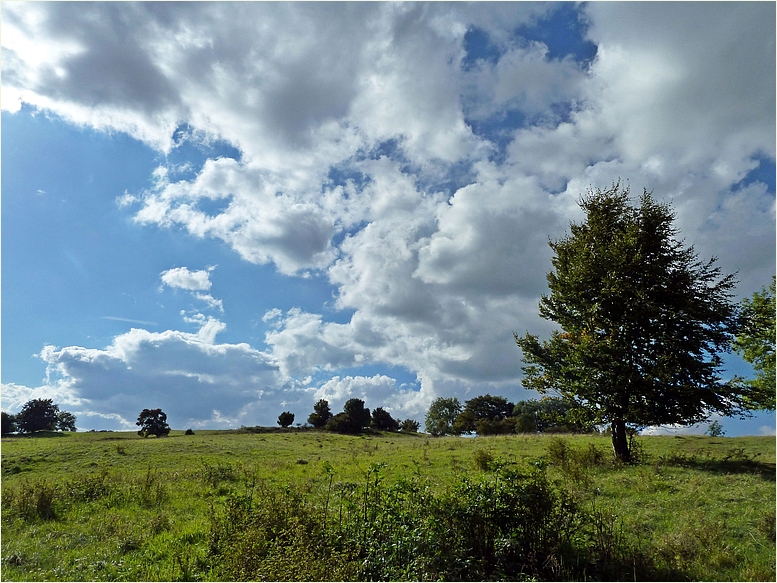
[(505, 525)]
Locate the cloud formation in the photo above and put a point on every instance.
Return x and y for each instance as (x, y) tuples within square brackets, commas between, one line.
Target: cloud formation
[(182, 278), (416, 171)]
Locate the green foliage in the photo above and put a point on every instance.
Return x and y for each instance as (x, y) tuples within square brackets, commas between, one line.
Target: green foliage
[(231, 506), (504, 426), (8, 423), (383, 421), (552, 415), (354, 418), (484, 460), (38, 415), (526, 423), (441, 416), (485, 408), (756, 344), (321, 414), (715, 429), (66, 421), (285, 419), (152, 422), (643, 321), (513, 526), (409, 426)]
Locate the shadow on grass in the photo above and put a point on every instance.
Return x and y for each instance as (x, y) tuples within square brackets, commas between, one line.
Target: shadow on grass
[(35, 434), (725, 466)]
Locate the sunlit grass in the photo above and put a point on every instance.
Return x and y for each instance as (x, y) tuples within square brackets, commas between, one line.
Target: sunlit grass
[(102, 506)]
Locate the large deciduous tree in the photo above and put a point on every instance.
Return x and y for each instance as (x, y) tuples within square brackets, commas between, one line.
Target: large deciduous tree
[(38, 415), (755, 342), (643, 321)]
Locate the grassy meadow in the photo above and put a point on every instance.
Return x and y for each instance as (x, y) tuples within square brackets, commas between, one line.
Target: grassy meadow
[(310, 505)]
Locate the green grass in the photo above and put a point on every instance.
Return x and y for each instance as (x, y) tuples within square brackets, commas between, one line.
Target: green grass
[(114, 506)]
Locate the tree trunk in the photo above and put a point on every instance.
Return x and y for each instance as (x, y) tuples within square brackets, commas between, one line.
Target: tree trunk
[(620, 443)]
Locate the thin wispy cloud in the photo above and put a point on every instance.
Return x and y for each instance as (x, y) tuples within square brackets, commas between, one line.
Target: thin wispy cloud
[(130, 320)]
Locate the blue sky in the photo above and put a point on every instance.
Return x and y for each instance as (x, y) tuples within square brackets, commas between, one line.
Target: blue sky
[(229, 210)]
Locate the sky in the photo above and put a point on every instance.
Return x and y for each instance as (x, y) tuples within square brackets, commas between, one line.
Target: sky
[(230, 210)]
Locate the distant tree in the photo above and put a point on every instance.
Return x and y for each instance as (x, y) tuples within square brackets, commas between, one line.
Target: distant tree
[(503, 426), (525, 423), (482, 408), (551, 414), (409, 426), (66, 421), (441, 415), (320, 415), (715, 429), (189, 432), (643, 321), (354, 418), (38, 415), (755, 343), (8, 423), (383, 421), (285, 419), (153, 422)]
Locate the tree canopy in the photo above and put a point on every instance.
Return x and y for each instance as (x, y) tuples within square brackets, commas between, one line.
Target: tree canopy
[(153, 422), (8, 423), (38, 415), (66, 421), (321, 414), (755, 343), (383, 421), (441, 415), (354, 418), (285, 419), (484, 408), (551, 414), (642, 320)]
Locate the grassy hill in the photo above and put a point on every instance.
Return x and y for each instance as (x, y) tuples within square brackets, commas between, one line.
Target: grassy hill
[(311, 505)]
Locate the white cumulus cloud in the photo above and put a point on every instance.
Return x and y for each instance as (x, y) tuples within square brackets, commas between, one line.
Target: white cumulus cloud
[(366, 161)]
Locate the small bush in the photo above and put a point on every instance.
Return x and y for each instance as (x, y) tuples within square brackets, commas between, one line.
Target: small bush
[(31, 501), (484, 460), (558, 452), (189, 432)]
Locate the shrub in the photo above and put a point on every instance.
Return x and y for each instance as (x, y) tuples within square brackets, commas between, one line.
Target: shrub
[(30, 500), (409, 426), (189, 432), (285, 419), (483, 459)]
